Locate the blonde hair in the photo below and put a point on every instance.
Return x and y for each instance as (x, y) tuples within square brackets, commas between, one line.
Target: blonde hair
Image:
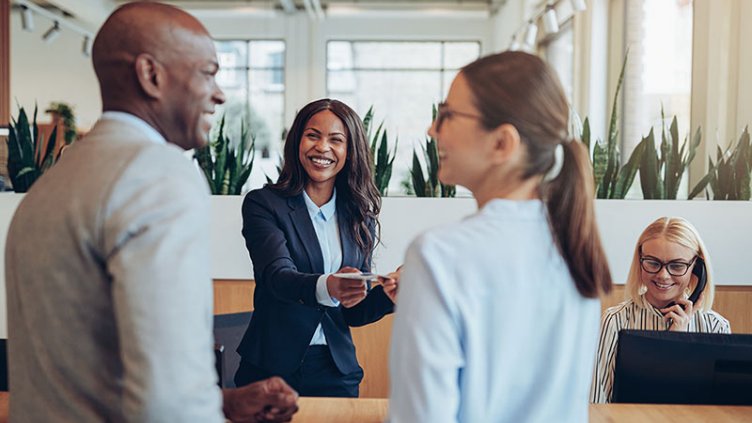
[(677, 230)]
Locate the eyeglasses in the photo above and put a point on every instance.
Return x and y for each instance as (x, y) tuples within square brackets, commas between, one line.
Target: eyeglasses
[(444, 112), (673, 267)]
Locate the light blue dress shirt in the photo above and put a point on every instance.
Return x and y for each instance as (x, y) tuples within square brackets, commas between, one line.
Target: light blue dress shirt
[(324, 221), (489, 326)]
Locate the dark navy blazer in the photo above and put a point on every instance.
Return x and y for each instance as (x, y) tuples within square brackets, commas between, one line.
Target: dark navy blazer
[(287, 263)]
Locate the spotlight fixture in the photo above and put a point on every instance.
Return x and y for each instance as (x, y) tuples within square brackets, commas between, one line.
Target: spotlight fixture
[(52, 34), (531, 35), (514, 45), (86, 48), (578, 5), (550, 21), (27, 19)]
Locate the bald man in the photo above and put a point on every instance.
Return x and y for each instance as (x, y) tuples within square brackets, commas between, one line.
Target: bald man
[(108, 284)]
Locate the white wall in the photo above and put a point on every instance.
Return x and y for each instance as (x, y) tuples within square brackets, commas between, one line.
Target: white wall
[(402, 219), (44, 73)]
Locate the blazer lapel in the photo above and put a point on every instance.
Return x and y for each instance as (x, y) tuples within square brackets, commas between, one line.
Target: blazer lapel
[(301, 221)]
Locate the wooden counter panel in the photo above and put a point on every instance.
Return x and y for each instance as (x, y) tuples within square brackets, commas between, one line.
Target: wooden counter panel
[(372, 341), (372, 347)]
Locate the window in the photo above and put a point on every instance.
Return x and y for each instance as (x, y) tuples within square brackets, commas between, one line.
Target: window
[(252, 77), (401, 80), (658, 36)]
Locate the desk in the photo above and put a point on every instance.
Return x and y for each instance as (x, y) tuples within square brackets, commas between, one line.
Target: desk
[(341, 410), (607, 413), (373, 410)]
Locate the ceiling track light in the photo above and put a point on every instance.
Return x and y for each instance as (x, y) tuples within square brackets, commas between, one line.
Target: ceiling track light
[(27, 19), (548, 18), (578, 5), (514, 45), (531, 35), (550, 21), (29, 9), (52, 34), (86, 47)]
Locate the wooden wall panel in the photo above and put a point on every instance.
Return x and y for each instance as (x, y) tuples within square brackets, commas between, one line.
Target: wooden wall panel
[(233, 296), (372, 341)]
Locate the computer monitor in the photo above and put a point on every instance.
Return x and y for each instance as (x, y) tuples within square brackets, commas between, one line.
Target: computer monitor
[(659, 367)]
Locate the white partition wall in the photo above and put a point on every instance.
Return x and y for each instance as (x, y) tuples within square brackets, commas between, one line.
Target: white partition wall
[(725, 227)]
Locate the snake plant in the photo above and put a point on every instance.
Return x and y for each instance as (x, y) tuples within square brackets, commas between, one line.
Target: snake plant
[(381, 159), (226, 164), (729, 177), (611, 179), (28, 156), (660, 176), (427, 184)]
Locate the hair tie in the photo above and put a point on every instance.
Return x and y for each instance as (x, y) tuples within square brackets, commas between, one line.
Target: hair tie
[(553, 173)]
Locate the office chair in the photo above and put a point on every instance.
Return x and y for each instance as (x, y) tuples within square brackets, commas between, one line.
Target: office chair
[(4, 365), (228, 332)]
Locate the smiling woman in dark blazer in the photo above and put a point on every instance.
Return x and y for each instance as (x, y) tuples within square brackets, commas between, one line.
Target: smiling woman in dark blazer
[(319, 218)]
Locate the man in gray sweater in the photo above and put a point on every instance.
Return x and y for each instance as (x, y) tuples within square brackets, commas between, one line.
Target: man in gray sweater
[(108, 281)]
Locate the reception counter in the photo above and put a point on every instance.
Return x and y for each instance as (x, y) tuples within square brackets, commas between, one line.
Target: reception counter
[(724, 225), (374, 410), (337, 410)]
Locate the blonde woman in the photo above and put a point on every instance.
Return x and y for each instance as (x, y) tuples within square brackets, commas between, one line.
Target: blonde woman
[(664, 272)]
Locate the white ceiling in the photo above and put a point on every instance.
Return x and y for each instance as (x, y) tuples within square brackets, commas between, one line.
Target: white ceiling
[(361, 4), (91, 13)]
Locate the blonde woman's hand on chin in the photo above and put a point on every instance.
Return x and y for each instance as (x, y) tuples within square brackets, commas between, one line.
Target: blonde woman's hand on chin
[(679, 315)]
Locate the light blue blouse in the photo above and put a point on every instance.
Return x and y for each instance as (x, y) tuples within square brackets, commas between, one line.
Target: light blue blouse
[(324, 221), (489, 326)]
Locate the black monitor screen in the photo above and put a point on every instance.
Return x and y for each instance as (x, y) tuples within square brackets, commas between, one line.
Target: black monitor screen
[(683, 368)]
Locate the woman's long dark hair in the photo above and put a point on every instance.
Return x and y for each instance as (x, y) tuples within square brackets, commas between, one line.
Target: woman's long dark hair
[(356, 191), (520, 89)]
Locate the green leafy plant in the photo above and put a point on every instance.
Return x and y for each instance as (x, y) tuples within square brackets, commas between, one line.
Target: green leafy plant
[(660, 176), (729, 177), (28, 156), (226, 164), (427, 184), (381, 159), (69, 120), (611, 179)]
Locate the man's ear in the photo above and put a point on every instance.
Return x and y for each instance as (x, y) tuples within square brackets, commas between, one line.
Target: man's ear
[(506, 143), (150, 75)]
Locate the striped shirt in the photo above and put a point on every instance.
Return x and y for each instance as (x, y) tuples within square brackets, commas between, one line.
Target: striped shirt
[(631, 315)]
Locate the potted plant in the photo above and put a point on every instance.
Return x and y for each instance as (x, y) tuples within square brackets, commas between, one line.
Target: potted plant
[(227, 164), (381, 159), (28, 155)]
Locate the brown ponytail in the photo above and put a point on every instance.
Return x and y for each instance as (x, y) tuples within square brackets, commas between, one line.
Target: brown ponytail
[(520, 89), (569, 198)]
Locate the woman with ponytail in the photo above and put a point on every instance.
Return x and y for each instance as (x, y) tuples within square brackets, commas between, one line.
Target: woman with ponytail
[(498, 314)]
